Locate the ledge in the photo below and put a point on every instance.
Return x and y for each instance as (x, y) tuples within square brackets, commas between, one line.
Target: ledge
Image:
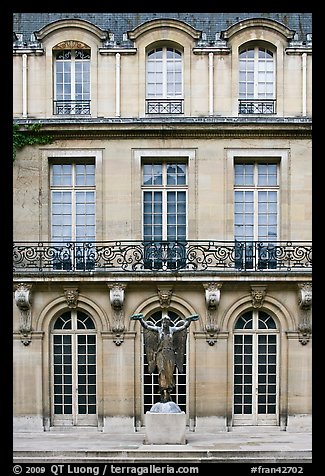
[(148, 277), (173, 127)]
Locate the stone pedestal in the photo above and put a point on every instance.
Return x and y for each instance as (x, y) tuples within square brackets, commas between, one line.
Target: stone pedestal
[(165, 428)]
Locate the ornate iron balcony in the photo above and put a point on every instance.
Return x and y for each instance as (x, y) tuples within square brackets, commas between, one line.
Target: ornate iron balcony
[(162, 256), (256, 106), (164, 106), (71, 107)]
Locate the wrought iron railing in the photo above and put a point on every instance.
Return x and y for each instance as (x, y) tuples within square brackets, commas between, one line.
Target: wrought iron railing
[(256, 106), (162, 256), (164, 106), (64, 106)]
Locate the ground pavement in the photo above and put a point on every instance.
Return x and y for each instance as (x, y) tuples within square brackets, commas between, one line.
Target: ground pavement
[(250, 445)]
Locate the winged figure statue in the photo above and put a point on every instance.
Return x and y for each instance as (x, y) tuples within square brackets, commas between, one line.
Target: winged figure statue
[(165, 349)]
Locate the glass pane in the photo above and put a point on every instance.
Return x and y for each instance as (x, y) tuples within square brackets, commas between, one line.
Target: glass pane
[(63, 322), (61, 175)]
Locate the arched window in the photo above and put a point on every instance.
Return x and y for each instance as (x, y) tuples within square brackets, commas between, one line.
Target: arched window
[(74, 370), (151, 393), (164, 81), (72, 81), (256, 81), (255, 369)]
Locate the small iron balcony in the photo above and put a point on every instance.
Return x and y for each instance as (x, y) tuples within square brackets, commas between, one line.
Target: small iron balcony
[(64, 106), (256, 106), (162, 256), (164, 106)]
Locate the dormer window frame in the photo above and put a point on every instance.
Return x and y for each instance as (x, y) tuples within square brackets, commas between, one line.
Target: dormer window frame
[(165, 65), (257, 75), (75, 55)]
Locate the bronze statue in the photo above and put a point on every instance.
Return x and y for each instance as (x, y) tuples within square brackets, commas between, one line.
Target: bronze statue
[(165, 348)]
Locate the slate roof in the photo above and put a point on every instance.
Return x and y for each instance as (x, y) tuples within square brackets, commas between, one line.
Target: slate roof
[(119, 23)]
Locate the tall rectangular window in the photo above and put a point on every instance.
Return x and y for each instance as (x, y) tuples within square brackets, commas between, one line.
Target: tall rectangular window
[(256, 81), (164, 188), (72, 82), (164, 88), (73, 202), (256, 210)]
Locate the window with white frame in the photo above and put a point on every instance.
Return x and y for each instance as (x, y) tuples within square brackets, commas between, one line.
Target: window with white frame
[(74, 369), (164, 189), (73, 211), (256, 212), (164, 81), (72, 81), (256, 81), (255, 369)]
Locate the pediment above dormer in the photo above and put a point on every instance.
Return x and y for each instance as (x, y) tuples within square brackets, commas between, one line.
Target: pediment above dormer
[(163, 24)]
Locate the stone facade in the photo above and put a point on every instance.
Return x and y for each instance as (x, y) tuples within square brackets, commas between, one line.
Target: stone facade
[(118, 136)]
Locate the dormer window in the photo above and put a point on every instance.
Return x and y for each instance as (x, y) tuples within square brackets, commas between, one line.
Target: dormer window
[(256, 81), (72, 81), (164, 81)]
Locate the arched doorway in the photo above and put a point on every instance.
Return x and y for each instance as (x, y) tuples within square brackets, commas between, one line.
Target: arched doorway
[(255, 369), (151, 393), (74, 370)]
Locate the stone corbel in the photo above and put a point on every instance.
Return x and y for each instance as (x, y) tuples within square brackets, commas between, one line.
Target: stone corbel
[(258, 293), (23, 302), (116, 296), (164, 295), (305, 303), (71, 295), (212, 299)]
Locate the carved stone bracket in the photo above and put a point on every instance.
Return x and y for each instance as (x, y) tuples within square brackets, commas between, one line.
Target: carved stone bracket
[(71, 295), (116, 296), (118, 339), (212, 299), (305, 304), (164, 295), (304, 330), (258, 293), (23, 302), (305, 295)]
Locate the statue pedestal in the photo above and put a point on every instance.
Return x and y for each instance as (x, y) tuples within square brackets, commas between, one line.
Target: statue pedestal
[(165, 425)]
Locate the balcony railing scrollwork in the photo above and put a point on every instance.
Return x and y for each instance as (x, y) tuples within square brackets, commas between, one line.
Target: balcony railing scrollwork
[(190, 255)]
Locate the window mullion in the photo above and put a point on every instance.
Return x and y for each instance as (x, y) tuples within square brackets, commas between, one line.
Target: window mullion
[(256, 95), (255, 371), (73, 203), (255, 198), (164, 68), (164, 200), (74, 363), (73, 75)]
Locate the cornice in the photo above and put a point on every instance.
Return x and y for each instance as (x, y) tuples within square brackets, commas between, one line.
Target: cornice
[(190, 128), (112, 51), (298, 50), (211, 49), (268, 277), (28, 51)]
